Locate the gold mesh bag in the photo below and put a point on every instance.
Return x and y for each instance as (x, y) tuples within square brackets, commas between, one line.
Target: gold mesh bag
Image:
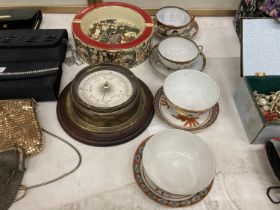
[(19, 126)]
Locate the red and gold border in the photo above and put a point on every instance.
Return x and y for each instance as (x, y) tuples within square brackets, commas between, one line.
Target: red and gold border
[(76, 27)]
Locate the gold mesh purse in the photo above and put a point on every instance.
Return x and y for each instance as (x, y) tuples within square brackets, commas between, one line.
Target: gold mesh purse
[(19, 126)]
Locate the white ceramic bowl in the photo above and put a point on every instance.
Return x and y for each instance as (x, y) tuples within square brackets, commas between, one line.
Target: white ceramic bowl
[(178, 162), (191, 90), (178, 52)]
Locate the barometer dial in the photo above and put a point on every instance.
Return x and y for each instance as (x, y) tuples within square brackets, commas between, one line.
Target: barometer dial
[(105, 89)]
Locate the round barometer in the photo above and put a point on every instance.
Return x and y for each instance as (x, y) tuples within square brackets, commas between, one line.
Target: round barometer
[(105, 105), (105, 89)]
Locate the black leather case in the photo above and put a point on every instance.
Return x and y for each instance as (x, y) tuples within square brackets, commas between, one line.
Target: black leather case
[(20, 18), (31, 63)]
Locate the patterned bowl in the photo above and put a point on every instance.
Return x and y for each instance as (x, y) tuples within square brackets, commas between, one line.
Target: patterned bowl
[(113, 32), (160, 192), (178, 162)]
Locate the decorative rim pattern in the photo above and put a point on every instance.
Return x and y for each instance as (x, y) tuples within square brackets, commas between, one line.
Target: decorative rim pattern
[(154, 56), (210, 120), (170, 203), (146, 34), (189, 34)]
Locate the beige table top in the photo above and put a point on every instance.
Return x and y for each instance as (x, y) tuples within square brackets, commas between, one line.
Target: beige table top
[(105, 179)]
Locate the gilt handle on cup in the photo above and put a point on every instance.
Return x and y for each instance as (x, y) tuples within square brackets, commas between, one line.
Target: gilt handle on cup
[(200, 49), (192, 19)]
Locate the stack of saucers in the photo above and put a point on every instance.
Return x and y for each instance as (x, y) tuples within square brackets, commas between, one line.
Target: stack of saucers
[(174, 53), (174, 168)]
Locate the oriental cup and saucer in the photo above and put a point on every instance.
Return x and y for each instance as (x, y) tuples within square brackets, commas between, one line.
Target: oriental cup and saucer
[(173, 20), (159, 68), (175, 53), (174, 168), (169, 116), (188, 100)]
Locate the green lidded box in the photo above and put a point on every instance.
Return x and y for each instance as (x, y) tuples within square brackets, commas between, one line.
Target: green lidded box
[(260, 68)]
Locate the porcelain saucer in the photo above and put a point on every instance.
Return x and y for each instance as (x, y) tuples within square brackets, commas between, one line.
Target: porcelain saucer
[(158, 195), (198, 64), (170, 117)]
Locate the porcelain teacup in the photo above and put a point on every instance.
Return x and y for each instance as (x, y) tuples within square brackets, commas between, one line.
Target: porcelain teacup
[(178, 52), (190, 92), (172, 20)]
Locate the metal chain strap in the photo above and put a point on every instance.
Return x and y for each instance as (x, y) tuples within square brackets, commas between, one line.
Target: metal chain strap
[(26, 188)]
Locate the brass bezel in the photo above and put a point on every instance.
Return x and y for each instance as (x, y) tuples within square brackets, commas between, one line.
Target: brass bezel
[(100, 67)]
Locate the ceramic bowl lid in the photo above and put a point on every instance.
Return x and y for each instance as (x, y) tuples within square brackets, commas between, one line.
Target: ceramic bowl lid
[(115, 11), (260, 46), (179, 162)]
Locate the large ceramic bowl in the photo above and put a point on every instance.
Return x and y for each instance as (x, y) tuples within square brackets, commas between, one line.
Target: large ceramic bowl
[(172, 20), (178, 162), (113, 32), (190, 91), (178, 52)]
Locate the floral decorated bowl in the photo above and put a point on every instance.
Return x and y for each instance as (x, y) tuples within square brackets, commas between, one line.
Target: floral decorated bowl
[(178, 162), (190, 92), (178, 52), (172, 21), (113, 32)]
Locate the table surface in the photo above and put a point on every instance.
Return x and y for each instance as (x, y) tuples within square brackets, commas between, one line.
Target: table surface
[(105, 179)]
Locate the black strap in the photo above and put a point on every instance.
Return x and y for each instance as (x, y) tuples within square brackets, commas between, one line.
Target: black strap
[(268, 193), (273, 158)]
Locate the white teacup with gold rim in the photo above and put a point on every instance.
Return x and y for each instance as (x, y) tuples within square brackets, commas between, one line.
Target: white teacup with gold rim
[(178, 52), (178, 162), (190, 92), (172, 20)]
